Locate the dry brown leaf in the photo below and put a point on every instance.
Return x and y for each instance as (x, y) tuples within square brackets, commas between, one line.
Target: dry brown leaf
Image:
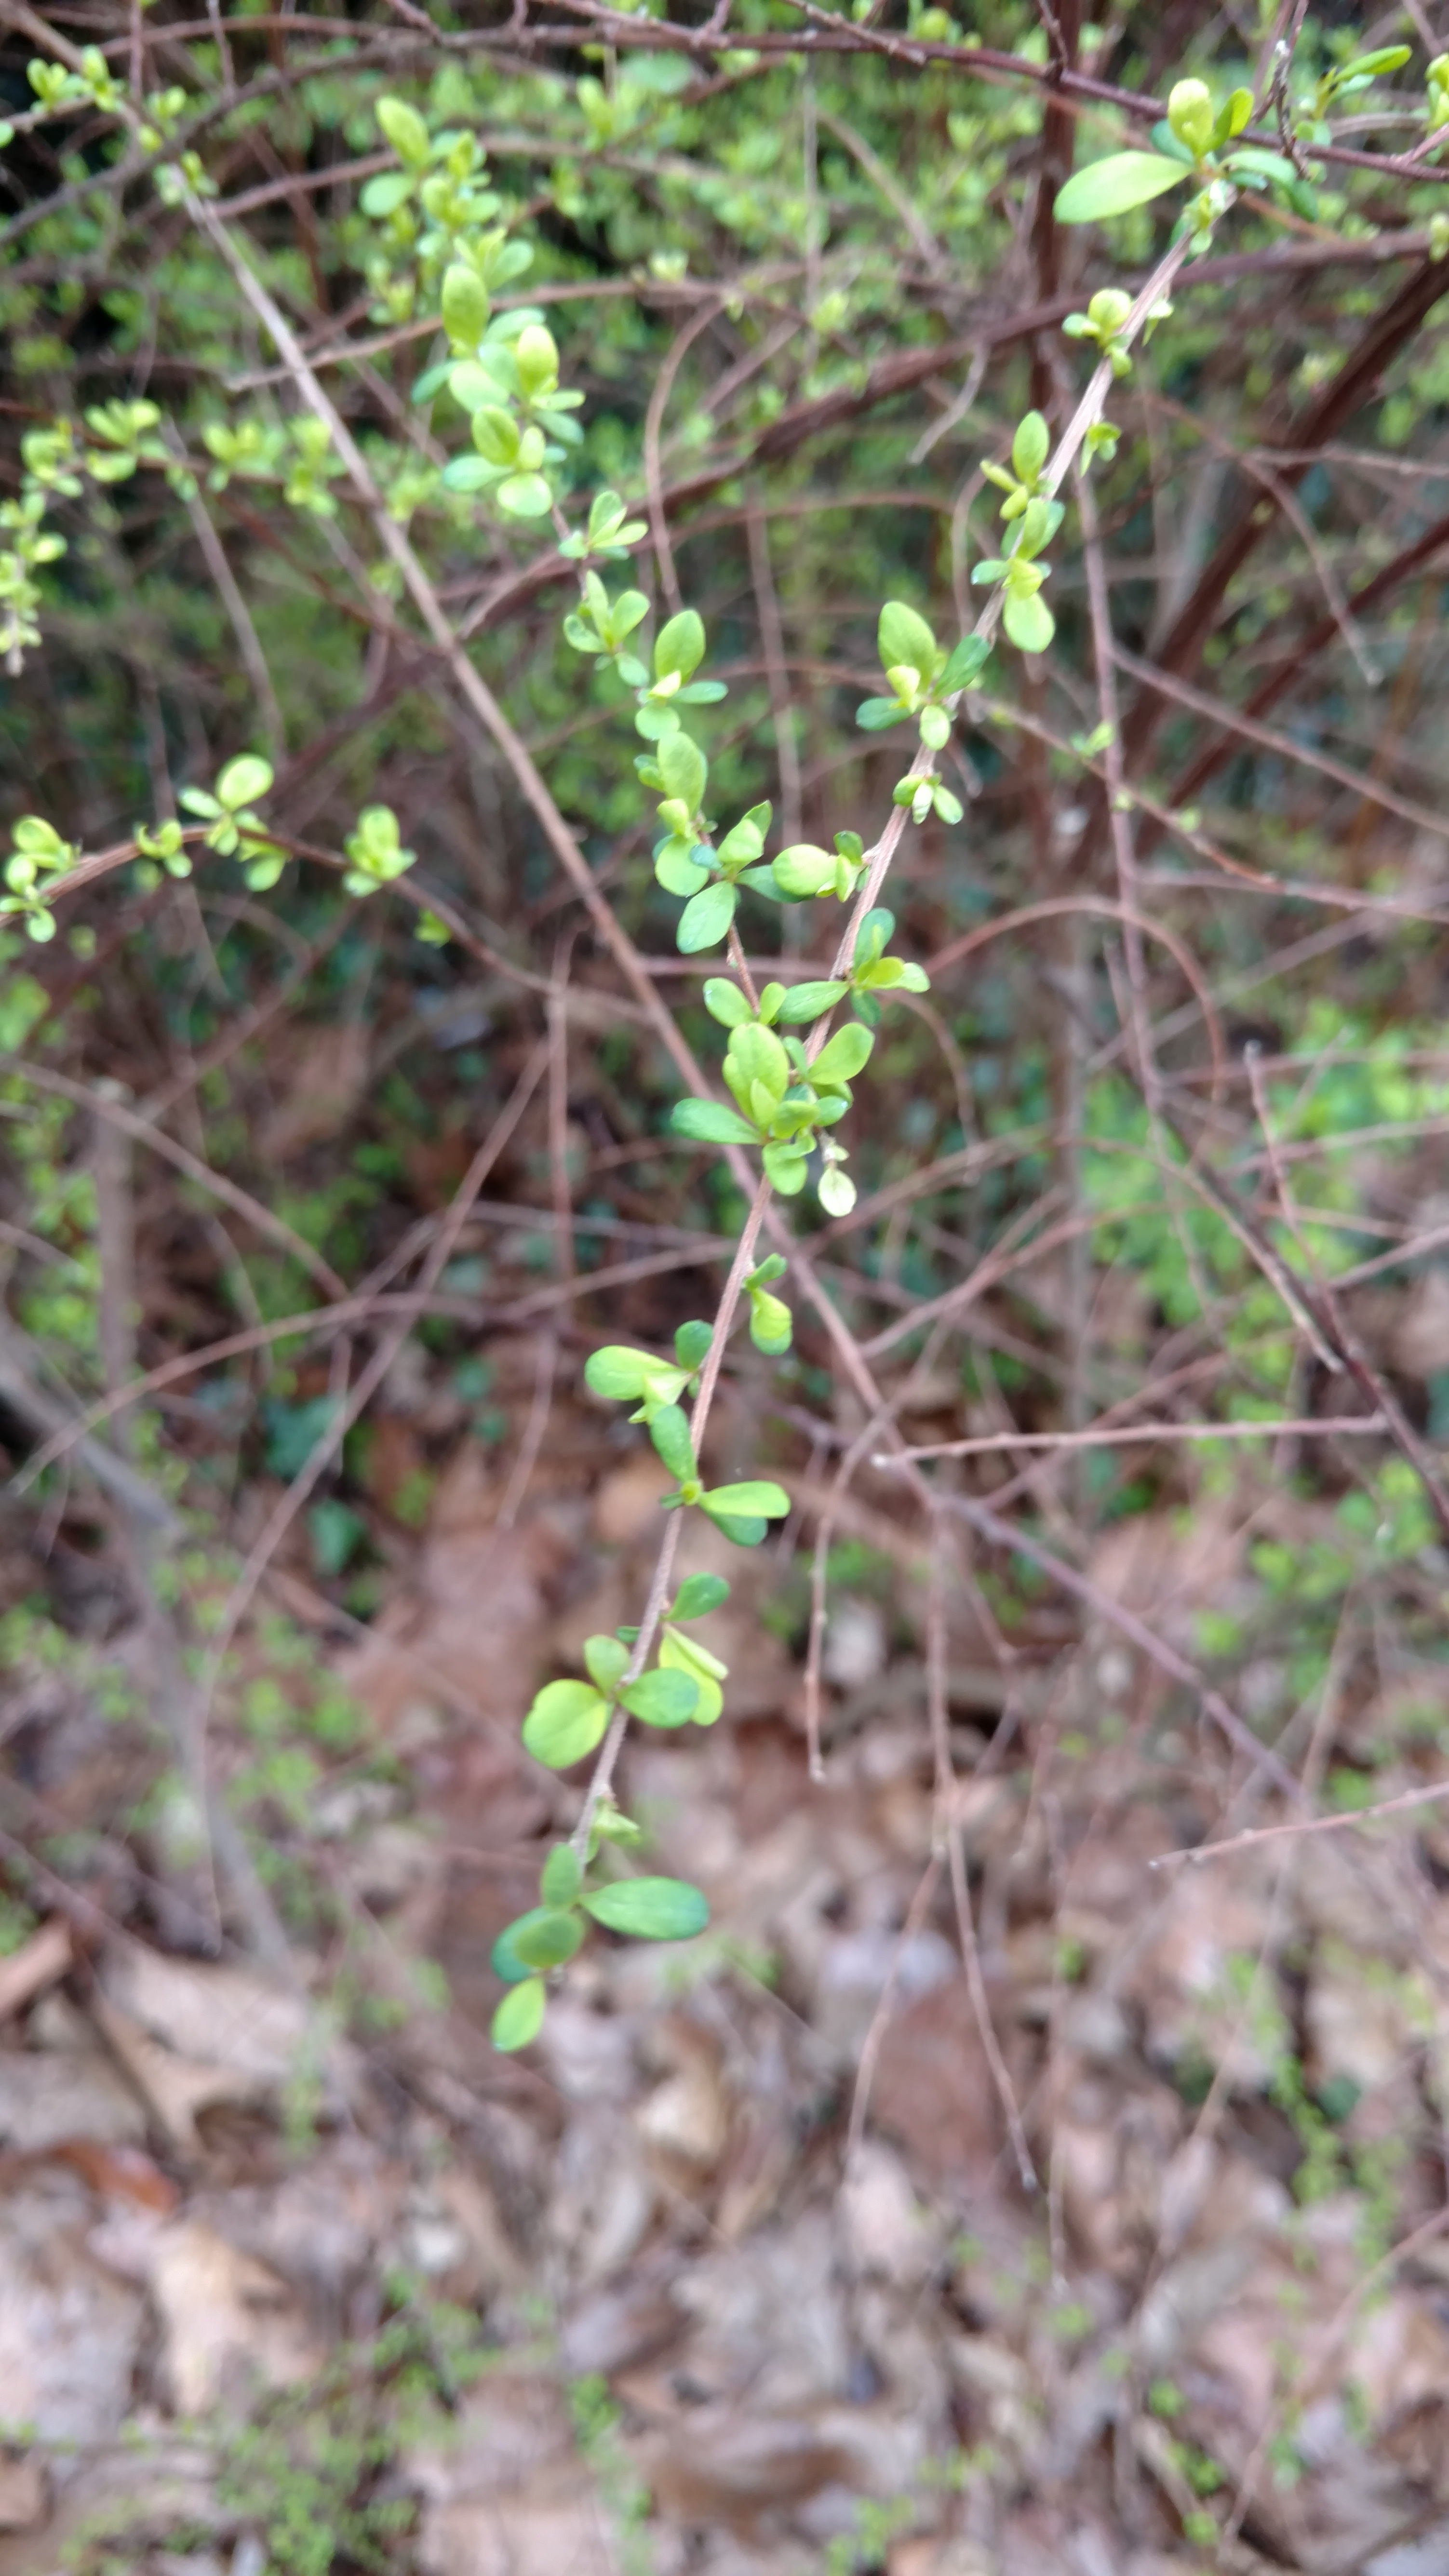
[(736, 2468), (225, 2017), (123, 2174), (685, 2120), (1181, 1975), (550, 2533), (1112, 2144), (173, 2088), (69, 2332), (322, 1088), (1359, 2025), (933, 2088), (951, 2556), (506, 2494), (146, 2492), (226, 2319), (622, 2329), (626, 1502), (48, 2096), (884, 2227), (38, 1963), (1400, 2356), (24, 2497), (471, 1630), (603, 2197), (1166, 1565), (769, 2316)]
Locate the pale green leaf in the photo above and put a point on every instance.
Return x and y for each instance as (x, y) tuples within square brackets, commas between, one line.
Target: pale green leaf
[(1116, 185), (565, 1723), (653, 1909)]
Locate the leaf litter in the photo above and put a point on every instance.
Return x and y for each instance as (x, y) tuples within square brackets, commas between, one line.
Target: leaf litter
[(655, 2309)]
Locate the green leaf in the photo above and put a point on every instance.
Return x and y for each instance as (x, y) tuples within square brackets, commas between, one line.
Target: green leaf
[(663, 1698), (874, 714), (756, 1056), (1028, 621), (494, 434), (698, 1594), (964, 664), (706, 918), (562, 1876), (708, 1122), (676, 870), (476, 388), (746, 838), (507, 1960), (1387, 58), (566, 1722), (404, 130), (691, 1345), (1116, 185), (669, 1431), (741, 1530), (804, 869), (469, 474), (760, 1499), (1236, 109), (547, 1937), (619, 1374), (771, 1323), (725, 1002), (763, 882), (679, 646), (535, 354), (653, 1909), (684, 769), (785, 1168), (1263, 165), (243, 781), (1031, 446), (465, 304), (903, 636), (679, 1654), (519, 2017), (809, 1002), (606, 1660), (525, 496), (384, 193), (842, 1056)]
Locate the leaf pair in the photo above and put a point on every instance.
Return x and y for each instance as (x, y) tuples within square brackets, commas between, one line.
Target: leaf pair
[(550, 1934)]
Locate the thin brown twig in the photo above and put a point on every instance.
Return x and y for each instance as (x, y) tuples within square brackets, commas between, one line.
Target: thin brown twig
[(1195, 1855), (1324, 1427)]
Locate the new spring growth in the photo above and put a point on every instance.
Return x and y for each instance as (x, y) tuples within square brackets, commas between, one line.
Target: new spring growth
[(233, 828), (1195, 146), (1025, 615), (924, 678), (375, 849), (771, 1324), (38, 853), (552, 1932)]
